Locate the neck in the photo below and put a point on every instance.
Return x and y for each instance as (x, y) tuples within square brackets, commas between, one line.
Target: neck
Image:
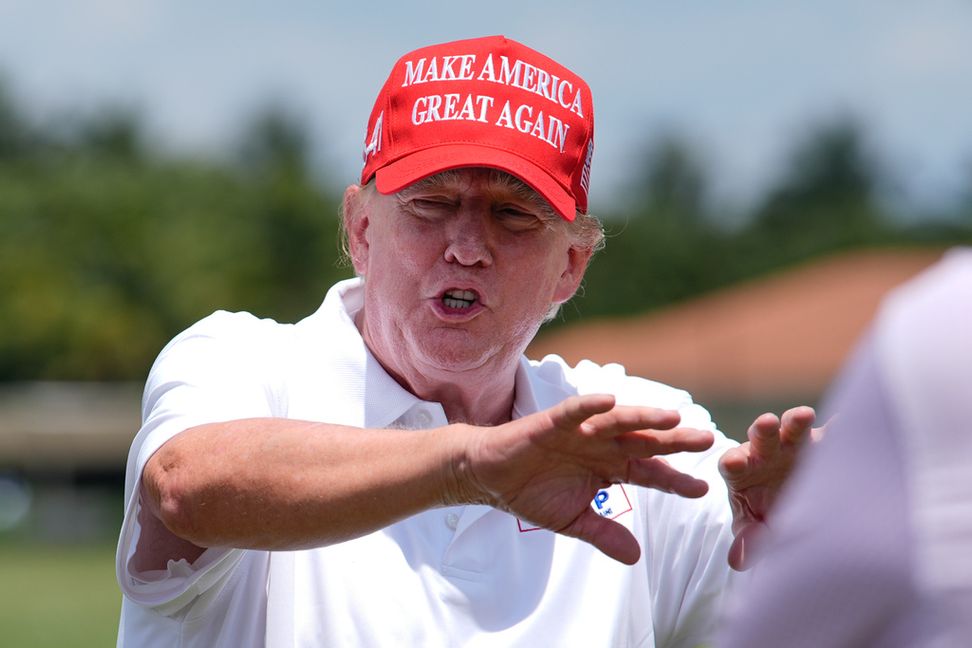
[(464, 400), (481, 395)]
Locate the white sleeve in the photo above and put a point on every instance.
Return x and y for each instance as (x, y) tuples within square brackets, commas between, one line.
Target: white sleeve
[(214, 371), (688, 546), (688, 540)]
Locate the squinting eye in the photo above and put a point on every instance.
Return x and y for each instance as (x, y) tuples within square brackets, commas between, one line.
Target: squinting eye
[(428, 207), (423, 203), (514, 217)]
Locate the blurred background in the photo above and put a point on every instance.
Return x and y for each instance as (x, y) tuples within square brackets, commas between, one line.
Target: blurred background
[(765, 174)]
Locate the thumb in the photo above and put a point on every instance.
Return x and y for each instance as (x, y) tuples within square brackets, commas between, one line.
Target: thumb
[(610, 537)]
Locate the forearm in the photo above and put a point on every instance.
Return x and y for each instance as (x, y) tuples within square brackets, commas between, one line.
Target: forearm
[(281, 484)]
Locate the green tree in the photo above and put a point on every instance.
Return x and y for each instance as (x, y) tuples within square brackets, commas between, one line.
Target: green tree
[(108, 249), (666, 245), (826, 198)]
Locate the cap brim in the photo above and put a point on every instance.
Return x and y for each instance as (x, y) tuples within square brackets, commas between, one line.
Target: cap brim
[(397, 175)]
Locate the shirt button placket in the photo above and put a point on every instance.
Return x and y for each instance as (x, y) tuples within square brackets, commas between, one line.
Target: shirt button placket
[(452, 521)]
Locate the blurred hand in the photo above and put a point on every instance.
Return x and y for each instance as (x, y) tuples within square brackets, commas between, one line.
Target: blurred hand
[(756, 471), (546, 468)]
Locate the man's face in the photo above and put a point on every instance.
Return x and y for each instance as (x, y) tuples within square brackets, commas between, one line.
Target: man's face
[(460, 270)]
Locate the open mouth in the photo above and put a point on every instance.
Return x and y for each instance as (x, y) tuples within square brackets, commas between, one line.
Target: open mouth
[(459, 299)]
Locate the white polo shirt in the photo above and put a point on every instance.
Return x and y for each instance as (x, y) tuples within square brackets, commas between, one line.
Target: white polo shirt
[(456, 576)]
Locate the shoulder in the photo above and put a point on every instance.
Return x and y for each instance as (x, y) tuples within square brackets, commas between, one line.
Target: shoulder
[(552, 380), (229, 332), (228, 326), (223, 348), (588, 377)]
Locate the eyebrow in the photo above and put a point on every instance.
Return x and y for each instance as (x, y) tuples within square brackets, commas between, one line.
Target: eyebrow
[(511, 183)]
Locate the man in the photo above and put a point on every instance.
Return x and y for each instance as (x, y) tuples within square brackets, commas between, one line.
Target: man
[(391, 470), (877, 526)]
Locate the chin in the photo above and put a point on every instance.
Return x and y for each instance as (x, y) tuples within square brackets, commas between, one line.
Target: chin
[(456, 351), (457, 364), (457, 358)]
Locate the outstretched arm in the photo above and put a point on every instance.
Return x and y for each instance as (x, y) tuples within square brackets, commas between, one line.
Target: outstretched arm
[(285, 484)]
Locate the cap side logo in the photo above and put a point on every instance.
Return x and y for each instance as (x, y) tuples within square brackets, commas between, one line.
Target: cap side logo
[(374, 144), (585, 179)]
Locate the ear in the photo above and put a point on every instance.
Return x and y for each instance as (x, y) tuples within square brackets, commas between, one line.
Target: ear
[(355, 227), (573, 274)]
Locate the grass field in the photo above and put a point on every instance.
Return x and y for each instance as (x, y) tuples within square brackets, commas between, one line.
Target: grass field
[(57, 596)]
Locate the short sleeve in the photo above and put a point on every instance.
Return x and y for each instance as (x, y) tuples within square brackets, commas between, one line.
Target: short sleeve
[(219, 369)]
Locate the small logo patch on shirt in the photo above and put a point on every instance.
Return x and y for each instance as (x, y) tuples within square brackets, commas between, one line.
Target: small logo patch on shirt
[(611, 502)]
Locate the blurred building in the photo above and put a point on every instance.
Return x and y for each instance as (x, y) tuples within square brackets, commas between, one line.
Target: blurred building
[(762, 345), (67, 427), (63, 448)]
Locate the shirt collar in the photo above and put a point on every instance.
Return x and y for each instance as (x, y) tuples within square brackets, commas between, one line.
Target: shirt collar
[(525, 400), (363, 379), (350, 386)]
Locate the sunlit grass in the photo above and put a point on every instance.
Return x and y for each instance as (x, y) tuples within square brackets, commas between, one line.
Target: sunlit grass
[(55, 596)]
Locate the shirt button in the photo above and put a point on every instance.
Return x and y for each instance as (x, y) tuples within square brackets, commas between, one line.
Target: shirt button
[(452, 521), (423, 417)]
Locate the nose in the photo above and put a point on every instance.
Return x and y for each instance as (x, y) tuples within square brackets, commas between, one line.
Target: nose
[(469, 240)]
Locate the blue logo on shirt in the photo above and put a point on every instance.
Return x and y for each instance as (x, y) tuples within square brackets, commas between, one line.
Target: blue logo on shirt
[(600, 503), (611, 502)]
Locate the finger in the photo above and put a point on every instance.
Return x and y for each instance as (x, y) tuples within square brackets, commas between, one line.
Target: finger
[(577, 409), (796, 424), (624, 419), (734, 462), (764, 436), (655, 472), (646, 443), (610, 537)]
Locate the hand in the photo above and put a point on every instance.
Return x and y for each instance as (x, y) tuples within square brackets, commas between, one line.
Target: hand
[(756, 471), (546, 468)]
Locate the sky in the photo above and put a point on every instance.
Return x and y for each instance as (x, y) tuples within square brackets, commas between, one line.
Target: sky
[(740, 80)]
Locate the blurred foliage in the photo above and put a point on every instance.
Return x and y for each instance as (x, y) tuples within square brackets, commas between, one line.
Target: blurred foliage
[(108, 247), (672, 243), (107, 250)]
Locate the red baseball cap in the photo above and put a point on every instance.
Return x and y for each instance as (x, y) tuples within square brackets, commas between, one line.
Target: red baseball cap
[(485, 102)]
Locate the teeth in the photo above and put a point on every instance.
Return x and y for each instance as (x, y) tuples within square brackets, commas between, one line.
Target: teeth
[(459, 298)]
